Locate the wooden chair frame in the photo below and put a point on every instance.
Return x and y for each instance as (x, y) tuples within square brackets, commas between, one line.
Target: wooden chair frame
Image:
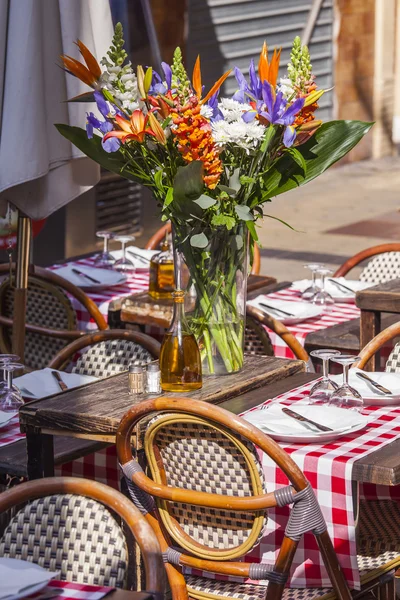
[(377, 343), (363, 255), (111, 499), (156, 239), (217, 416), (52, 278), (65, 355), (281, 330)]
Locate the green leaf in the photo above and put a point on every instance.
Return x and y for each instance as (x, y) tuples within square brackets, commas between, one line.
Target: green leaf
[(239, 241), (113, 162), (283, 223), (234, 180), (299, 158), (243, 212), (199, 240), (330, 143), (188, 185), (269, 134), (158, 177), (227, 190), (205, 201), (251, 227), (169, 197), (85, 97), (223, 220), (245, 179)]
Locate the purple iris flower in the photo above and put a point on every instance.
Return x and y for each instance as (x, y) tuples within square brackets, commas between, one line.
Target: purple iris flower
[(251, 89), (213, 103), (274, 109), (167, 74), (157, 86), (91, 123), (111, 145), (101, 104)]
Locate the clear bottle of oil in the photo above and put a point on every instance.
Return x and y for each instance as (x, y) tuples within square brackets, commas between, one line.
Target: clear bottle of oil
[(180, 362), (162, 281)]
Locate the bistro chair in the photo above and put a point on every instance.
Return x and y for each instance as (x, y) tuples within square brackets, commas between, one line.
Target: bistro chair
[(83, 529), (384, 266), (205, 496), (257, 340), (107, 352), (155, 241), (51, 318), (380, 340)]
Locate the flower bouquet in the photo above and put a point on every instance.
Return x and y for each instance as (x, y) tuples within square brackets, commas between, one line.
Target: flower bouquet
[(212, 163)]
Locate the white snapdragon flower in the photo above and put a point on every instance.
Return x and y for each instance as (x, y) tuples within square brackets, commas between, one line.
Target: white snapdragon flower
[(244, 135), (231, 109), (286, 87)]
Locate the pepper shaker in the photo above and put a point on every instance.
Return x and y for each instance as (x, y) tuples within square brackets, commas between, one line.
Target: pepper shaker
[(136, 379), (153, 378)]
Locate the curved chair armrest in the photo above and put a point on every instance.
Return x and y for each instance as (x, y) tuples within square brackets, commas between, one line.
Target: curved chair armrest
[(90, 339), (281, 330), (64, 334), (376, 344), (113, 499), (363, 255)]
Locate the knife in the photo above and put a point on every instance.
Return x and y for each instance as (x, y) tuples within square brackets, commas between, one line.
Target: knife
[(298, 417), (341, 286), (144, 259), (279, 310), (92, 279), (374, 384), (62, 385)]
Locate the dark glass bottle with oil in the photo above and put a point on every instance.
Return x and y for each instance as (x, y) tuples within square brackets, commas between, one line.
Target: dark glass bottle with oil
[(162, 281), (180, 362)]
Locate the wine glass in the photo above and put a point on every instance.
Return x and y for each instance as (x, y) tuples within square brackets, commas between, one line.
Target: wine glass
[(105, 259), (322, 297), (322, 391), (10, 396), (4, 360), (346, 396), (124, 264), (310, 292)]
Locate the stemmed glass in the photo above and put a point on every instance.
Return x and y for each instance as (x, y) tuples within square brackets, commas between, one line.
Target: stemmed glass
[(124, 264), (10, 396), (105, 259), (310, 292), (346, 396), (322, 297), (6, 359), (322, 391)]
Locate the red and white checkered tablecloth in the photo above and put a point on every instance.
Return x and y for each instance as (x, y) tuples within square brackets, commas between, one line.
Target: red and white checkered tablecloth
[(72, 591), (328, 468), (332, 315)]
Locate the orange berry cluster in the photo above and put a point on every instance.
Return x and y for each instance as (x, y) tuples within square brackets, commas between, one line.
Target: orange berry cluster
[(194, 139)]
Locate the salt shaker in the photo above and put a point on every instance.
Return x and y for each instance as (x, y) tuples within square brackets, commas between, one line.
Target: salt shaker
[(153, 378), (136, 379)]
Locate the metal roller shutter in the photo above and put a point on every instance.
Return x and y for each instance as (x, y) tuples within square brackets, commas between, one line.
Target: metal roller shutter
[(118, 204), (231, 32)]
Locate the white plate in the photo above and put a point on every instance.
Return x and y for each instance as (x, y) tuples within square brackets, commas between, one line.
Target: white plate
[(5, 418), (31, 578), (281, 427), (371, 397), (301, 310), (107, 277), (337, 294)]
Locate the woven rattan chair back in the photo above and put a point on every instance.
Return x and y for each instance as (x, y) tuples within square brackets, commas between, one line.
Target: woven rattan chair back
[(72, 534), (195, 454), (383, 267), (47, 306), (393, 362), (256, 339), (111, 357)]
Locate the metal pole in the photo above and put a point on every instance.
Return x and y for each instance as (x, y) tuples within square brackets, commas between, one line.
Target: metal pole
[(151, 32), (24, 234), (311, 21)]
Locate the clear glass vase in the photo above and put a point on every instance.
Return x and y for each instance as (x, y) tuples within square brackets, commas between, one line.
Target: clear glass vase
[(215, 279)]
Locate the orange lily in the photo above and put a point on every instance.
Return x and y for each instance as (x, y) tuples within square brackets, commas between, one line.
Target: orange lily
[(268, 71), (157, 130), (134, 129), (89, 74), (196, 82)]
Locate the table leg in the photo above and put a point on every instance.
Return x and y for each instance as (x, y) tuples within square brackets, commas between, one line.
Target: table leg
[(40, 451), (370, 326)]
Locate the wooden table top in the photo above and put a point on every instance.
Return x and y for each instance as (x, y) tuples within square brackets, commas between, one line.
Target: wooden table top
[(95, 410), (384, 297)]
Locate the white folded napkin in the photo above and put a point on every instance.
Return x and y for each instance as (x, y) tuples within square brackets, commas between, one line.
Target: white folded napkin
[(18, 576), (273, 419), (331, 288), (5, 417), (391, 381), (106, 277), (299, 311), (42, 383)]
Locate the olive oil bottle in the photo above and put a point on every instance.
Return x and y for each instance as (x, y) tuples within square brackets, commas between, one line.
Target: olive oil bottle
[(180, 362), (162, 280)]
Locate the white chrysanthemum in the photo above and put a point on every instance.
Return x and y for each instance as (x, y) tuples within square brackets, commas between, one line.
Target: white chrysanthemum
[(286, 87), (206, 111), (232, 109), (244, 135)]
